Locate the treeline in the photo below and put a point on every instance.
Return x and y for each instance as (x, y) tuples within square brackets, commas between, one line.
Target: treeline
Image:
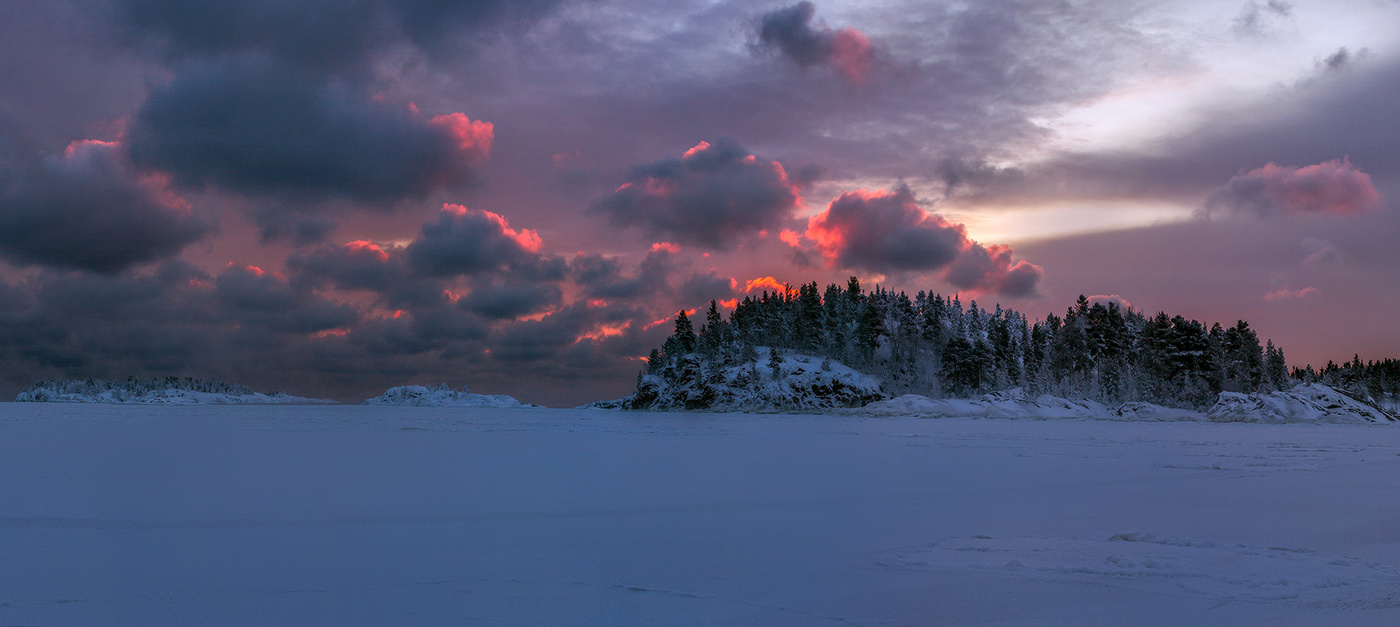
[(133, 387), (936, 346), (1378, 379)]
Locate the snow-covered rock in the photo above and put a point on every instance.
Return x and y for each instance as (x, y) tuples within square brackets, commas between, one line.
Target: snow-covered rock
[(801, 382), (156, 392), (1151, 412), (1011, 403), (1304, 403), (441, 396)]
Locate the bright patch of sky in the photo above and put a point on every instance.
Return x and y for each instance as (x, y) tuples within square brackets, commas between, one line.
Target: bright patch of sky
[(1240, 57)]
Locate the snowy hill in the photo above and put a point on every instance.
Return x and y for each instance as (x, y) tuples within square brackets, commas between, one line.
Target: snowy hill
[(441, 396), (800, 382), (1304, 403), (170, 391)]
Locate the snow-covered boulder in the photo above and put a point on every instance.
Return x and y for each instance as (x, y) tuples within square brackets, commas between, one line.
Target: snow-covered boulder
[(1150, 412), (800, 382), (156, 392), (1004, 404), (442, 396), (1312, 402)]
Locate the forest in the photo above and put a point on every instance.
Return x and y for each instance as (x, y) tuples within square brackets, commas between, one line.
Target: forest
[(941, 348)]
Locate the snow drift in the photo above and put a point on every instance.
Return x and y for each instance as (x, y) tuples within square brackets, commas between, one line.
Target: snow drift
[(792, 382), (1304, 403), (170, 391), (441, 395)]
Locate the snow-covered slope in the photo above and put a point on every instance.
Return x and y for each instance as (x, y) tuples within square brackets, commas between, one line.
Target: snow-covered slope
[(1304, 403), (801, 382), (156, 392), (442, 396), (1005, 404)]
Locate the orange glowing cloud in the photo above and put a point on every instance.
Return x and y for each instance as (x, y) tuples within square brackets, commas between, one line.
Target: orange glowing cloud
[(666, 246), (604, 331), (362, 247), (765, 282)]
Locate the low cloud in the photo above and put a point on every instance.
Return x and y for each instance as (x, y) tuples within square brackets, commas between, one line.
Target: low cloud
[(715, 196), (90, 209), (790, 31), (1334, 187), (887, 232)]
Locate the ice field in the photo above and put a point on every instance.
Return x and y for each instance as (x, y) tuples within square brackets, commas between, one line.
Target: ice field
[(336, 515)]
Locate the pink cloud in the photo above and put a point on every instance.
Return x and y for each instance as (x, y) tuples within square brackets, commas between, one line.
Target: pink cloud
[(1334, 186), (472, 138), (852, 55)]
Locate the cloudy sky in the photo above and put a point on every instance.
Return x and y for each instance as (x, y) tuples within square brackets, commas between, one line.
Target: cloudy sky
[(332, 197)]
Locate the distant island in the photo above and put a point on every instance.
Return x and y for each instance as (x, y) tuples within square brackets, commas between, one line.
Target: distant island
[(938, 348)]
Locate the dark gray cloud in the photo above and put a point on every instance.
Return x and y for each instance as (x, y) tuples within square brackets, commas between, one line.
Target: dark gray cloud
[(703, 287), (466, 241), (888, 232), (253, 297), (716, 196), (507, 301), (327, 34), (90, 209), (885, 231), (604, 277), (790, 30), (249, 125), (357, 265), (991, 269)]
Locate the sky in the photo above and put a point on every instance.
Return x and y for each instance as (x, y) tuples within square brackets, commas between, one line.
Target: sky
[(331, 198)]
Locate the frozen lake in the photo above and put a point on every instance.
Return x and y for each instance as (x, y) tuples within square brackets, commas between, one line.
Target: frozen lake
[(120, 515)]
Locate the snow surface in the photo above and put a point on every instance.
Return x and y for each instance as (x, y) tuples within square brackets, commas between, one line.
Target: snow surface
[(55, 392), (442, 396), (800, 382), (335, 515)]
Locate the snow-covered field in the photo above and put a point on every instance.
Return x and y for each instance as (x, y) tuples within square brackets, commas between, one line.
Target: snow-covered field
[(335, 515)]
